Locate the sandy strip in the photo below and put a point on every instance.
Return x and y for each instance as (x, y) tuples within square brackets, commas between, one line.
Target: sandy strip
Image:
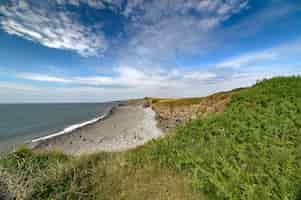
[(127, 127)]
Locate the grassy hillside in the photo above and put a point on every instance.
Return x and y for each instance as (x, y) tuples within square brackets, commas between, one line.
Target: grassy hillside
[(250, 151)]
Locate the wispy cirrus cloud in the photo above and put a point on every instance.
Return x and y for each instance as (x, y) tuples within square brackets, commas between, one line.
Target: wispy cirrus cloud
[(153, 27), (97, 4), (50, 26), (248, 59), (287, 53), (169, 28)]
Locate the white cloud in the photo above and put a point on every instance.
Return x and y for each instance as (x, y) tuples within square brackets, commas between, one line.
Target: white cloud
[(248, 78), (200, 76), (178, 27), (84, 93), (166, 24), (16, 87), (286, 53), (96, 4), (94, 80), (248, 59), (51, 27), (157, 9), (41, 77), (129, 77)]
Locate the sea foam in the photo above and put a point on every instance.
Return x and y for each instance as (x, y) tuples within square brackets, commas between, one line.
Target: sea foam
[(73, 127)]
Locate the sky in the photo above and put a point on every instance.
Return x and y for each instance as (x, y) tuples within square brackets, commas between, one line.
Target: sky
[(103, 50)]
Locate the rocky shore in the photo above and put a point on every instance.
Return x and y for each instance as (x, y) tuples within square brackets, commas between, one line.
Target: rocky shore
[(127, 126)]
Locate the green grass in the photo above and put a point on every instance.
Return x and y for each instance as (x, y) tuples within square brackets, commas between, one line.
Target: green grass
[(250, 151), (52, 175)]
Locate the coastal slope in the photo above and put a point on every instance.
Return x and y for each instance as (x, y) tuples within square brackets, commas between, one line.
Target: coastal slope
[(250, 149)]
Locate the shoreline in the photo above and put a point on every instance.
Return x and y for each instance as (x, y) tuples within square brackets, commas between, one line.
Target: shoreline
[(36, 122), (124, 127), (74, 127)]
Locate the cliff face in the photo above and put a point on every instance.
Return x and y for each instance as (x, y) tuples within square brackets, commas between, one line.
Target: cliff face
[(172, 112), (169, 116)]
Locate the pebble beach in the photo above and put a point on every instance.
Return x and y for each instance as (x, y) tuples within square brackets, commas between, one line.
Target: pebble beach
[(126, 127)]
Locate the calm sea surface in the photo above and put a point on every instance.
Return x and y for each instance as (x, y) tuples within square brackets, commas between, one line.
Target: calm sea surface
[(21, 123)]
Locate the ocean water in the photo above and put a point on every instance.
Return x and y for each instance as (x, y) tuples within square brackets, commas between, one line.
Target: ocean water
[(21, 123)]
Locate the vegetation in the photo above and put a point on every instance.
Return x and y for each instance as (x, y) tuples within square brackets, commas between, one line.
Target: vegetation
[(250, 151), (52, 175), (157, 102)]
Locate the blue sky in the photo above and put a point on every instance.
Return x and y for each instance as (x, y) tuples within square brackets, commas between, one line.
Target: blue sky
[(102, 50)]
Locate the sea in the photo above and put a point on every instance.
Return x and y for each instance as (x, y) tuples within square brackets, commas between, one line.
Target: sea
[(24, 123)]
